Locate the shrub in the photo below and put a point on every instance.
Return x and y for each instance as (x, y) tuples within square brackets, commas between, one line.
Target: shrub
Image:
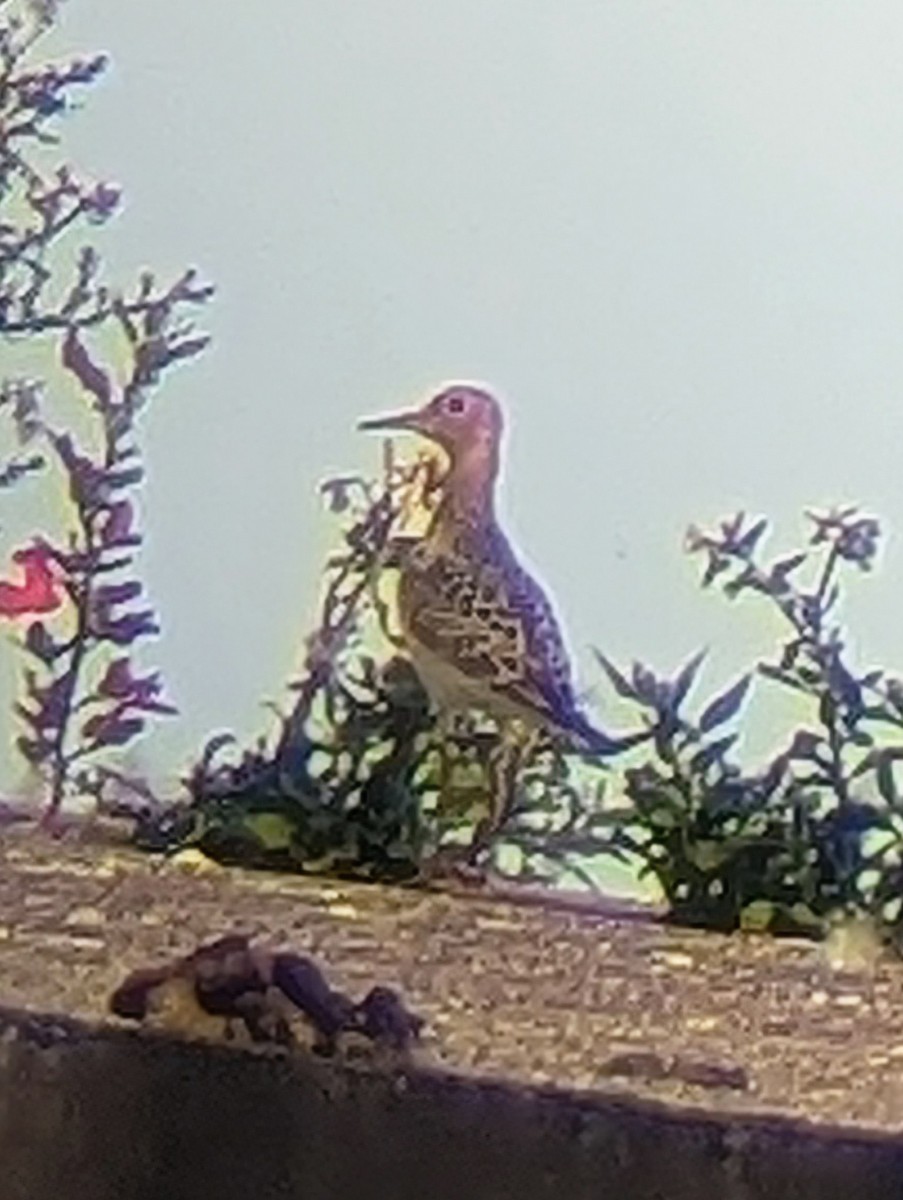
[(817, 831), (336, 789), (82, 694), (359, 781)]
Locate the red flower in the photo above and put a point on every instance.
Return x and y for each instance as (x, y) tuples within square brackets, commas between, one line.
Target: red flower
[(39, 590)]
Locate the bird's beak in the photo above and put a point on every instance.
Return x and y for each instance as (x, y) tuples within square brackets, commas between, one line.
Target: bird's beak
[(406, 420)]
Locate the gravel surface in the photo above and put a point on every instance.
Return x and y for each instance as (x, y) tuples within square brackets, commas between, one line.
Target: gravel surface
[(533, 993)]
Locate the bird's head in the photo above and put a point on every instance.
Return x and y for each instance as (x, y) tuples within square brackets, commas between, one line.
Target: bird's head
[(461, 418)]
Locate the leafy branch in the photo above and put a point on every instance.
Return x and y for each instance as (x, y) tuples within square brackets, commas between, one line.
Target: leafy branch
[(82, 693)]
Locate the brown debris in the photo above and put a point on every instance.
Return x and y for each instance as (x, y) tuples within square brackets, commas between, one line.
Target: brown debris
[(231, 982)]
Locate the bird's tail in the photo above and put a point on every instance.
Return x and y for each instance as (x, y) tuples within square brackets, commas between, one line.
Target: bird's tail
[(590, 740)]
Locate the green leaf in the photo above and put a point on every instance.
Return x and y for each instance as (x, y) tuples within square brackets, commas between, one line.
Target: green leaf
[(212, 747), (803, 916), (757, 916), (708, 855), (784, 677), (786, 566), (272, 830), (747, 543), (716, 566), (713, 752), (887, 784), (618, 681), (685, 678), (868, 762), (725, 706)]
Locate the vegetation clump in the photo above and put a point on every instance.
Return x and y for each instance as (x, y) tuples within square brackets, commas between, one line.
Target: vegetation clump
[(81, 601), (356, 779)]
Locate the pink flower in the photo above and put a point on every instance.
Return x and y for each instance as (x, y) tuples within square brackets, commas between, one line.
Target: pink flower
[(38, 591)]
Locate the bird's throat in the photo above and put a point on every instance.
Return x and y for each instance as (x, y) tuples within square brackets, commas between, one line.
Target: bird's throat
[(468, 494)]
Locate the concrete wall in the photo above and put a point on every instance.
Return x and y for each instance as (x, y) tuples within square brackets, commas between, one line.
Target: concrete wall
[(111, 1115)]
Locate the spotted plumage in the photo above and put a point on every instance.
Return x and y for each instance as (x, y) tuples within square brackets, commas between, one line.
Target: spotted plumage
[(480, 631), (492, 625)]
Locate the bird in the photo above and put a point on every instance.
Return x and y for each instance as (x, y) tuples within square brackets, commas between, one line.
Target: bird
[(480, 630)]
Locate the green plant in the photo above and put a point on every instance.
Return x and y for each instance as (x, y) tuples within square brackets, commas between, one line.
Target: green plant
[(338, 788), (81, 696), (358, 780), (816, 831)]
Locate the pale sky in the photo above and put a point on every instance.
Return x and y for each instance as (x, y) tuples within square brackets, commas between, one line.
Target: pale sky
[(669, 234)]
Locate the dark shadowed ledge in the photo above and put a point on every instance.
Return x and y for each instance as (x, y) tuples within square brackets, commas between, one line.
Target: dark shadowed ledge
[(105, 1114), (570, 1054)]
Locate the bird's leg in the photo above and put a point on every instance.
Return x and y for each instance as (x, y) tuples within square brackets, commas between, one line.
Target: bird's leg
[(450, 860), (504, 768), (502, 771), (447, 730), (512, 748)]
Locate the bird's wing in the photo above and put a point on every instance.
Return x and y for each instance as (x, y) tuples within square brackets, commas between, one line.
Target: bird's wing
[(494, 623), (545, 681)]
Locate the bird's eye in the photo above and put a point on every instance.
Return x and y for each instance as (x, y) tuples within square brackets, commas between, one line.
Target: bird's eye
[(455, 404)]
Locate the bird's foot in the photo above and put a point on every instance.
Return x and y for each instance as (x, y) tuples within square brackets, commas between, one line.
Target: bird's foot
[(52, 821), (454, 864)]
